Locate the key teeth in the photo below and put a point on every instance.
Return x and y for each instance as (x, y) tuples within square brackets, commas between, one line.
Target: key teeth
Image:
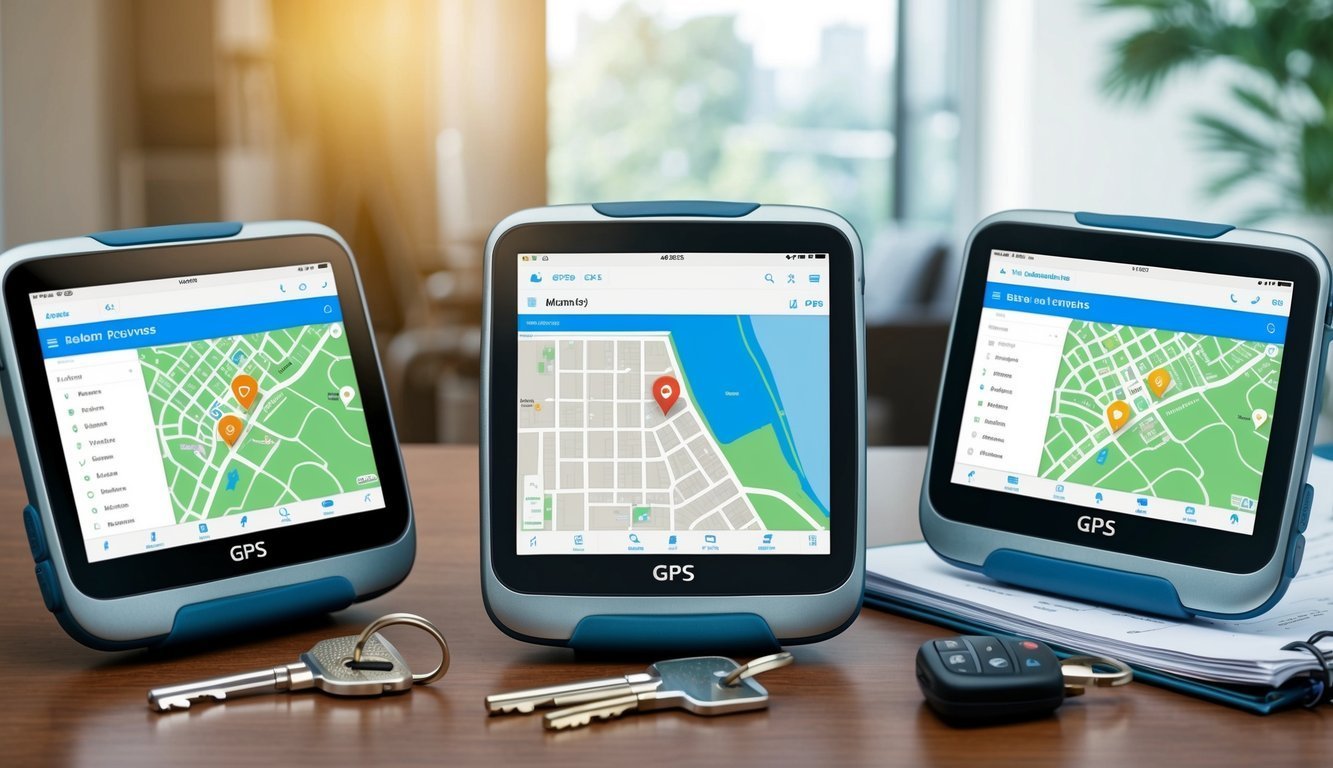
[(580, 720), (564, 723), (184, 702)]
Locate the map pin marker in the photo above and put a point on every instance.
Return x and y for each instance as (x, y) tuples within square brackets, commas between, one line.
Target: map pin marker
[(246, 390), (666, 391), (1158, 381), (347, 393), (229, 428), (1259, 416), (1117, 414)]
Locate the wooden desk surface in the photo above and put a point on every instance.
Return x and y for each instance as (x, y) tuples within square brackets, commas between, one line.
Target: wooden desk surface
[(849, 701)]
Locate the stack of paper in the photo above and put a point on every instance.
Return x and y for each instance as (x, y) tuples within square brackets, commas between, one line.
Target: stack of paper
[(1233, 652)]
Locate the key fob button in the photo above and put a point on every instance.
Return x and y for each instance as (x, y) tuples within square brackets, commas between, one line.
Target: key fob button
[(992, 655), (962, 662), (1033, 657)]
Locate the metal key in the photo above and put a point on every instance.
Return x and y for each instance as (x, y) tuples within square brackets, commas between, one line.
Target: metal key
[(323, 667), (698, 685), (528, 699)]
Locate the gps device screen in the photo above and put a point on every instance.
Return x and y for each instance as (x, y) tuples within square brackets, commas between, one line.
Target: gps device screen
[(1139, 390), (205, 407), (673, 403)]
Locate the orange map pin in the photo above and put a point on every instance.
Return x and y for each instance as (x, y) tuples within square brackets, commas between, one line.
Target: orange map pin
[(229, 428), (1117, 414), (246, 390), (1158, 381)]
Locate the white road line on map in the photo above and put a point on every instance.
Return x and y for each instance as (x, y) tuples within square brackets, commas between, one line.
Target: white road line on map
[(1162, 404), (321, 409), (706, 515), (587, 511), (784, 497), (643, 422), (555, 497), (214, 462)]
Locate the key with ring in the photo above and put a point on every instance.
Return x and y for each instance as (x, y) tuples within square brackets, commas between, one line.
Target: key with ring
[(978, 678), (355, 665), (704, 685)]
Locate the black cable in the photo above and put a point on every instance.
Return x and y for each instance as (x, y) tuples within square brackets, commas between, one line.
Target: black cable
[(1323, 689)]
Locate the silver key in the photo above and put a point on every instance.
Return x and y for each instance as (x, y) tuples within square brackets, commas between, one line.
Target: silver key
[(704, 685), (323, 667), (565, 695)]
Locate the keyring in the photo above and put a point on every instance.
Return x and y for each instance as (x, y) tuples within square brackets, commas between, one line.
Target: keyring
[(411, 620), (1081, 671), (758, 667)]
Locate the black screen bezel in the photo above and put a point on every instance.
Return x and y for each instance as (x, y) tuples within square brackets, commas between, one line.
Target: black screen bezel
[(210, 560), (1160, 540), (714, 574)]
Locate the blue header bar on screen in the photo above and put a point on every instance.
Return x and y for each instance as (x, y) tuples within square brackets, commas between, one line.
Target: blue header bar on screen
[(156, 330), (1144, 313)]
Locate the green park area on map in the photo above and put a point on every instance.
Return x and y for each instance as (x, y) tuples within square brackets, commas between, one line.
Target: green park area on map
[(1200, 441), (303, 437)]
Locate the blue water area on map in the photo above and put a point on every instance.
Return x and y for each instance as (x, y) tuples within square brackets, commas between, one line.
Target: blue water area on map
[(233, 477), (797, 351), (731, 390)]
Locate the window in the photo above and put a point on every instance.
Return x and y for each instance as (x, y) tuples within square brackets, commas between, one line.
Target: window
[(792, 102)]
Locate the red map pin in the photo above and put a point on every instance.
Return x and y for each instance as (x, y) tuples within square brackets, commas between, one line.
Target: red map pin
[(666, 391)]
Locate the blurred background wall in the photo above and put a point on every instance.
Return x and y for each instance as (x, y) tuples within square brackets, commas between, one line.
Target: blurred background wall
[(412, 126)]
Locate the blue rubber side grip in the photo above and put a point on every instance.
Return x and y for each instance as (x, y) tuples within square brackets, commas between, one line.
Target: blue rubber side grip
[(168, 234), (644, 208), (1181, 227), (685, 633), (1150, 594), (228, 614)]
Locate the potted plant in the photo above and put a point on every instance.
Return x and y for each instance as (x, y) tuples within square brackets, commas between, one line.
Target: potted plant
[(1276, 127)]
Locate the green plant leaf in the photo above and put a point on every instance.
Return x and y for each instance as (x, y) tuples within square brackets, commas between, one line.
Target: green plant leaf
[(1143, 61), (1155, 6), (1219, 134), (1257, 102), (1241, 174), (1271, 132), (1316, 164)]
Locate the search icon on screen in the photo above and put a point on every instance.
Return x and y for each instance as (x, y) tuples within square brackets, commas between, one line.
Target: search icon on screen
[(768, 277), (634, 538)]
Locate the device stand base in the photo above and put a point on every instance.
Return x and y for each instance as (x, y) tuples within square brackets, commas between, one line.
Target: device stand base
[(231, 614), (685, 634), (1140, 592)]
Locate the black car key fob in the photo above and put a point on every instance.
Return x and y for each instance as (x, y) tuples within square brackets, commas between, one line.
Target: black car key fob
[(980, 678)]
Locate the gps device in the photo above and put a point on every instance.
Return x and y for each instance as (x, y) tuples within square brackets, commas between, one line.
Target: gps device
[(672, 450), (202, 426), (1127, 410)]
